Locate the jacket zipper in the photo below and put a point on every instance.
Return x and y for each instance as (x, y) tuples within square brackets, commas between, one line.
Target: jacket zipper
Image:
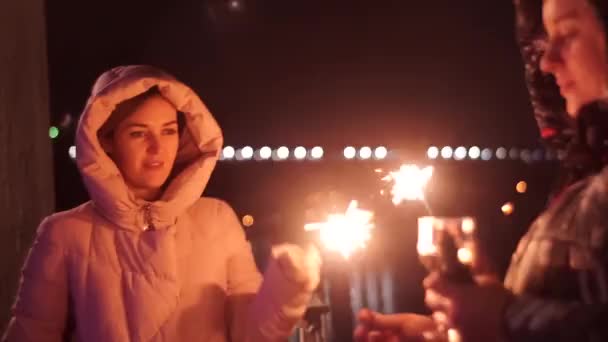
[(147, 217)]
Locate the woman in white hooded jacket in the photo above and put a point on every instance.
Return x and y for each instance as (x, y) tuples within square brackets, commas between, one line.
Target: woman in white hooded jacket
[(148, 258)]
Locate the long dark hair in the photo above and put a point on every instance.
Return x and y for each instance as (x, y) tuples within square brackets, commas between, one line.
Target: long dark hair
[(579, 141)]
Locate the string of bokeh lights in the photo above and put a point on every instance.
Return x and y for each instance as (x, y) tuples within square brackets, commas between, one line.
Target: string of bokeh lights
[(364, 153), (378, 153)]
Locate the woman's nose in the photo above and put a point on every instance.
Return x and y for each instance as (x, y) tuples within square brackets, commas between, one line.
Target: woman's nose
[(153, 144), (550, 59)]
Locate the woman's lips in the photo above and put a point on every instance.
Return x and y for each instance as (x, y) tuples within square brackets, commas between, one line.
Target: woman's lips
[(154, 164)]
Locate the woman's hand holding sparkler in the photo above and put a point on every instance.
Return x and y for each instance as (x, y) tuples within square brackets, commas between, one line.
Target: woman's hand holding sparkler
[(299, 265)]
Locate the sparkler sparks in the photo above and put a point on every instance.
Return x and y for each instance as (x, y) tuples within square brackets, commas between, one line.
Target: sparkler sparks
[(409, 183), (345, 233)]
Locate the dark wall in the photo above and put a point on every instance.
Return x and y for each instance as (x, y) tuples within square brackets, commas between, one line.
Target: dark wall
[(26, 171)]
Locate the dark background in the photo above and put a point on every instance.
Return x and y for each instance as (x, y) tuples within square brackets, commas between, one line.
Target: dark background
[(404, 74)]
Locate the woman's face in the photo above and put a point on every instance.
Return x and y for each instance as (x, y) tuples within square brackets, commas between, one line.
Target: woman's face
[(576, 51), (144, 146)]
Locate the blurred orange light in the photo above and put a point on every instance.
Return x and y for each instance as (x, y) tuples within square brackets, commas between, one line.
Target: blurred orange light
[(248, 221), (465, 256), (507, 208), (521, 187)]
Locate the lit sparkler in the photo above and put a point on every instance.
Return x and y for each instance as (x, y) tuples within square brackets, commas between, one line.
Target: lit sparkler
[(347, 232), (409, 183)]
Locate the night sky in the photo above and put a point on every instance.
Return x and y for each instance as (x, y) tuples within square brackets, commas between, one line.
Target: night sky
[(332, 73), (399, 73)]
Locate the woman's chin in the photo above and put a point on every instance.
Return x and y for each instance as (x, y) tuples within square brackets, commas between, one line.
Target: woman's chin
[(574, 104), (154, 185), (150, 185), (154, 179), (573, 107)]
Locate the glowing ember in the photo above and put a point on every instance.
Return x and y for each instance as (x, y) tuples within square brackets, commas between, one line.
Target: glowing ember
[(409, 182), (345, 233)]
